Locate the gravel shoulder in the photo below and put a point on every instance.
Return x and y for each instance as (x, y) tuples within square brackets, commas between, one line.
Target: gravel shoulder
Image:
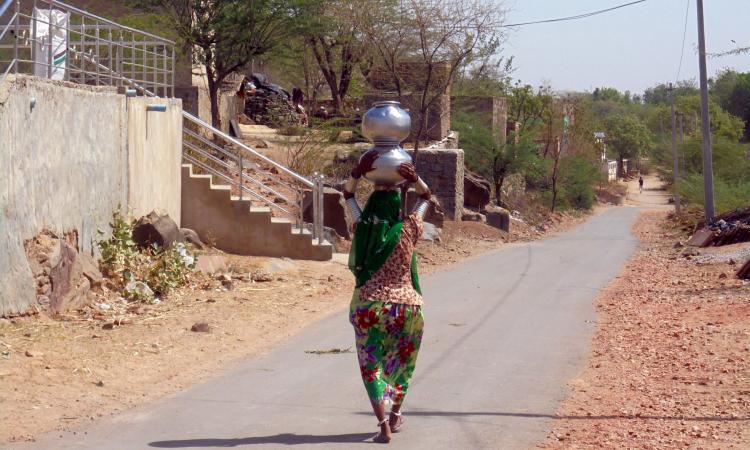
[(669, 364)]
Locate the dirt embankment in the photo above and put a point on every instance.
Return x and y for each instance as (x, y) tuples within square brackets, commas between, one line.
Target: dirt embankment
[(115, 355), (670, 360)]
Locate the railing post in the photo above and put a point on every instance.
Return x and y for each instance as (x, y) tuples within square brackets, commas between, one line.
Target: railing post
[(82, 33), (321, 207), (316, 207), (17, 37), (49, 38), (301, 209), (172, 72), (164, 68), (242, 184), (96, 57)]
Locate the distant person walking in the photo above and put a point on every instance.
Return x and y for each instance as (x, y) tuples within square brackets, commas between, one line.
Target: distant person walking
[(640, 184)]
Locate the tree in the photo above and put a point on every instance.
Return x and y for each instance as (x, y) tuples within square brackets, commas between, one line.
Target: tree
[(488, 157), (739, 101), (628, 136), (607, 94), (225, 35), (332, 34), (441, 36), (659, 94)]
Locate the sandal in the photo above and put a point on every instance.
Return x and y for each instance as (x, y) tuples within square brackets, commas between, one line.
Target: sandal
[(399, 423), (380, 438)]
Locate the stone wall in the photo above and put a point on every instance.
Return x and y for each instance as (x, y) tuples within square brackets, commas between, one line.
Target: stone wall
[(443, 171), (493, 110), (66, 167)]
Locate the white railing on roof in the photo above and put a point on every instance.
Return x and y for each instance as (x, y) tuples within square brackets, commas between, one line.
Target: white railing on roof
[(83, 48)]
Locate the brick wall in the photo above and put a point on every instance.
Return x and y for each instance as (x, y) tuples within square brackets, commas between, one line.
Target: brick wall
[(443, 171)]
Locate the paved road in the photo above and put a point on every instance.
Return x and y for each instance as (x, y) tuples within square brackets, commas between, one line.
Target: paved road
[(504, 333)]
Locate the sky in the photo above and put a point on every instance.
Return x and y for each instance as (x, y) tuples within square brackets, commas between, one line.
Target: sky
[(632, 48)]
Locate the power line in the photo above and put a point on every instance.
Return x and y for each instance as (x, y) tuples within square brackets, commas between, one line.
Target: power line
[(682, 50), (576, 17)]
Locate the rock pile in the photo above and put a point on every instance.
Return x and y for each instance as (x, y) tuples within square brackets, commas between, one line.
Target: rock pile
[(270, 105), (64, 277)]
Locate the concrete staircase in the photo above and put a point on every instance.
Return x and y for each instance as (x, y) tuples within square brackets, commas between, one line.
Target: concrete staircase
[(235, 226)]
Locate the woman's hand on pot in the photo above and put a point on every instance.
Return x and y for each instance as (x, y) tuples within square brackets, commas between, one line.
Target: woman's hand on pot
[(365, 163), (409, 172)]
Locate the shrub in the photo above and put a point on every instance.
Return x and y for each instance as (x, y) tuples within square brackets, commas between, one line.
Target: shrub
[(141, 274), (577, 182), (728, 196)]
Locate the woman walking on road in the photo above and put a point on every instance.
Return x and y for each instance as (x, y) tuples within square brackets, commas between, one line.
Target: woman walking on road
[(386, 308)]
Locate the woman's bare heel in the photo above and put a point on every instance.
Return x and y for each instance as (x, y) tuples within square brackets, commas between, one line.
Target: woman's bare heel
[(384, 437)]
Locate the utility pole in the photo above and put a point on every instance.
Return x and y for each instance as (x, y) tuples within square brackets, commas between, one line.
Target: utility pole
[(708, 170), (675, 161)]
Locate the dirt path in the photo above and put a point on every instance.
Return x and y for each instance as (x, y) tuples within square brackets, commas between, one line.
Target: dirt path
[(653, 195), (670, 361)]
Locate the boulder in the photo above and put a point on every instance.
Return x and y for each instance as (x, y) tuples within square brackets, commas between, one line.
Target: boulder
[(702, 238), (477, 190), (191, 237), (70, 287), (210, 264), (431, 233), (498, 217), (471, 216), (91, 270), (330, 235), (334, 211), (156, 228)]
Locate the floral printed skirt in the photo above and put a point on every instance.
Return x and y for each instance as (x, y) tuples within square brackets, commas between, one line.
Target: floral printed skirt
[(388, 336)]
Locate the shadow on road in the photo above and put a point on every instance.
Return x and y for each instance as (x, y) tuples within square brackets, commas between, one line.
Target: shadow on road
[(285, 439), (586, 417)]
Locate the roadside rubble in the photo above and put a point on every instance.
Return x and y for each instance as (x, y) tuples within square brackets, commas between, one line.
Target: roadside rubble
[(730, 228), (670, 359)]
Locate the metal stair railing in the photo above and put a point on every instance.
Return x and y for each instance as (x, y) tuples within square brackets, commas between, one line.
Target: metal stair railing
[(98, 51), (217, 153)]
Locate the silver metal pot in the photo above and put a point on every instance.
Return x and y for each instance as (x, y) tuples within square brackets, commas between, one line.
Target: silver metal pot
[(386, 124)]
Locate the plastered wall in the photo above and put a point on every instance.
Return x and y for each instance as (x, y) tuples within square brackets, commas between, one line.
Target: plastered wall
[(69, 162)]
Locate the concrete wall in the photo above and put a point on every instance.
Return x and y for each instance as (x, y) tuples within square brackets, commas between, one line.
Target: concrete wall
[(65, 165), (154, 156)]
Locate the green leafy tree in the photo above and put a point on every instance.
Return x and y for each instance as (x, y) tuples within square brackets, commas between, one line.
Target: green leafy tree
[(659, 94), (488, 157), (332, 34), (738, 103), (225, 35), (628, 136)]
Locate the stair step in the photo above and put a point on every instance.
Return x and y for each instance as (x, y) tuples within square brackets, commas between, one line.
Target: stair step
[(260, 209), (280, 220), (320, 243)]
